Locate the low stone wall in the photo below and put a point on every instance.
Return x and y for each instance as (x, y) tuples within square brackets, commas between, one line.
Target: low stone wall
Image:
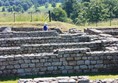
[(106, 28), (111, 32), (13, 42), (25, 29), (62, 62), (49, 48), (92, 31), (33, 29), (29, 34), (97, 31)]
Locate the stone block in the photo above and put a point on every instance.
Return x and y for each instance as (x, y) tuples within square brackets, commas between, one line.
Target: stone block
[(93, 62), (27, 61), (87, 62), (68, 67), (83, 67), (57, 63), (50, 68), (47, 64), (17, 66), (98, 66), (70, 58), (31, 65), (72, 63), (64, 71), (21, 71), (78, 58), (84, 58), (72, 81), (66, 55), (20, 61), (83, 81), (63, 81), (24, 65), (80, 62), (2, 67)]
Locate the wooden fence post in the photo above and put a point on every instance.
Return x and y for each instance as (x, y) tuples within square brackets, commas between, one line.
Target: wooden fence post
[(14, 17), (31, 17), (50, 16)]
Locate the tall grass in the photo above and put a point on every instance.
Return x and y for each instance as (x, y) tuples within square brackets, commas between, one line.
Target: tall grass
[(22, 17), (113, 22)]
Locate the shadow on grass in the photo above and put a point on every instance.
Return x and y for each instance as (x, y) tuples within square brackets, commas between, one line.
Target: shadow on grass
[(14, 78)]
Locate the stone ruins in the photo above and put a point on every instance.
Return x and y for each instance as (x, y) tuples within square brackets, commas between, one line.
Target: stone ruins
[(31, 51), (72, 79)]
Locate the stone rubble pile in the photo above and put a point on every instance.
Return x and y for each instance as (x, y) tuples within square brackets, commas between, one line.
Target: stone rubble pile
[(72, 79)]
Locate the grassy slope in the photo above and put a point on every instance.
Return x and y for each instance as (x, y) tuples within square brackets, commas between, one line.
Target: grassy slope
[(63, 26)]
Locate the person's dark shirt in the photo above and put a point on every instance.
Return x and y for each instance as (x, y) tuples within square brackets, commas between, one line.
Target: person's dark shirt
[(45, 28)]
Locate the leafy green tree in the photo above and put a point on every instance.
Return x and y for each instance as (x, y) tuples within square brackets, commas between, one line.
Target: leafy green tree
[(59, 15), (10, 9), (85, 0), (69, 6), (25, 6), (7, 3), (98, 11), (1, 3), (3, 9), (46, 5), (53, 4), (113, 7)]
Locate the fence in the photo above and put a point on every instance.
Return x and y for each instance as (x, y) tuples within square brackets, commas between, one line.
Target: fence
[(23, 17), (110, 22), (35, 17)]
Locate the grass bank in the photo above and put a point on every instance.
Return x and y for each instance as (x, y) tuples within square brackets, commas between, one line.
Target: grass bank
[(62, 25)]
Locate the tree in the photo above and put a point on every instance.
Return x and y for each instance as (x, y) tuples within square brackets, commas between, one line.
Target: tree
[(85, 0), (69, 6), (25, 6), (112, 5), (59, 15), (1, 3), (98, 11), (10, 9), (53, 4), (7, 3), (46, 5), (3, 9)]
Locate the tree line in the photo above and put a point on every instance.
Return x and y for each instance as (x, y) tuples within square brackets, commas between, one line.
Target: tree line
[(23, 5), (85, 11)]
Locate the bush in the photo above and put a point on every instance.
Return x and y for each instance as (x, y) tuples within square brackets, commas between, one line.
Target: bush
[(59, 15)]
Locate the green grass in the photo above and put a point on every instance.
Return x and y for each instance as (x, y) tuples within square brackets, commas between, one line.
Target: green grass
[(62, 25), (104, 77), (92, 76)]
